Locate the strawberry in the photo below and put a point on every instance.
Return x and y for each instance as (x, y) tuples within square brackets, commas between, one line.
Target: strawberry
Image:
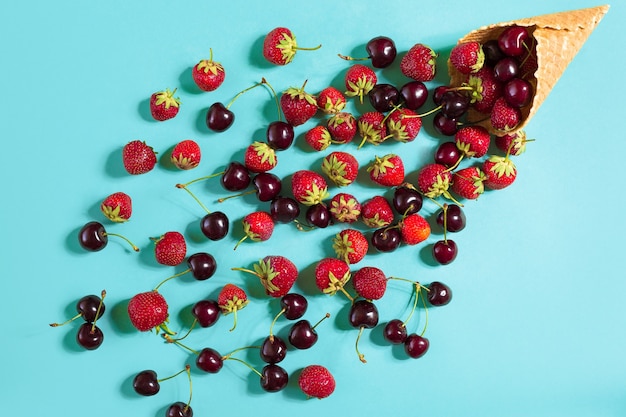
[(403, 125), (467, 57), (297, 105), (318, 138), (138, 157), (186, 154), (505, 117), (419, 63), (149, 310), (371, 128), (316, 381), (350, 245), (500, 172), (387, 171), (280, 46), (331, 101), (258, 226), (377, 212), (433, 180), (277, 274), (341, 168), (342, 127), (485, 90), (308, 187), (231, 299), (370, 283), (414, 229), (208, 74), (345, 208), (512, 143), (468, 182), (170, 248), (359, 80), (163, 105), (473, 141), (260, 157), (117, 207), (331, 275)]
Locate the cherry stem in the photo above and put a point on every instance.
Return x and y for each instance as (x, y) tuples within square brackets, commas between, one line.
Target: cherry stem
[(170, 278), (303, 227), (173, 375), (66, 321), (188, 369), (356, 345), (263, 81), (169, 339), (221, 200), (184, 187), (275, 97), (135, 248), (321, 320), (103, 294), (349, 58), (195, 321), (247, 364), (274, 322), (425, 311), (206, 177), (427, 113), (417, 292), (445, 222), (239, 350)]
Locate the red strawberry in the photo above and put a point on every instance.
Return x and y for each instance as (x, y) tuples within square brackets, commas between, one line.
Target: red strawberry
[(117, 207), (297, 105), (345, 208), (260, 157), (370, 283), (468, 182), (485, 90), (280, 46), (331, 275), (170, 248), (149, 310), (467, 57), (341, 168), (331, 101), (505, 117), (186, 154), (414, 229), (473, 141), (419, 63), (371, 128), (403, 125), (277, 274), (377, 212), (512, 143), (318, 138), (500, 172), (163, 105), (342, 127), (433, 180), (258, 226), (316, 381), (350, 245), (231, 299), (387, 171), (138, 157), (308, 187), (359, 80), (208, 74)]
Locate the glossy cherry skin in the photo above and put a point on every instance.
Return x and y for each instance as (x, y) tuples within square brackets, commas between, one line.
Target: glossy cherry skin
[(284, 209), (318, 215), (517, 92), (207, 312), (294, 305), (395, 332), (267, 186), (386, 239), (209, 360), (454, 104), (492, 52), (179, 409), (273, 349), (439, 294), (414, 94), (447, 154), (382, 51), (302, 335), (279, 135), (447, 126), (87, 306), (92, 236), (445, 251), (202, 265), (384, 97), (219, 118), (416, 346), (236, 177), (274, 378), (512, 40), (506, 69), (146, 383), (89, 336), (406, 200), (363, 313), (215, 225), (455, 218)]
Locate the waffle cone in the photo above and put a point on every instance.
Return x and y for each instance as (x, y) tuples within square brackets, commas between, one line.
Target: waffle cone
[(558, 38)]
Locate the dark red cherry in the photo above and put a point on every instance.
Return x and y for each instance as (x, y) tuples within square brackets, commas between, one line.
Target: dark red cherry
[(87, 306), (447, 126), (455, 218), (93, 237), (207, 312), (414, 94), (382, 51), (179, 409), (267, 186), (279, 135), (447, 154), (454, 104), (274, 378), (506, 69), (89, 336), (384, 97), (302, 335), (209, 360), (146, 383), (445, 251), (284, 209), (514, 40), (439, 294), (415, 345), (202, 265), (273, 349), (215, 225), (517, 92), (236, 177), (438, 93), (492, 52), (406, 200), (318, 215), (219, 118), (363, 313), (395, 332), (294, 305), (386, 239)]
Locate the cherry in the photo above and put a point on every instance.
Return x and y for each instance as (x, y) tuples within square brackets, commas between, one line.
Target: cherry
[(206, 312), (89, 336), (302, 335), (445, 125), (294, 305), (381, 50), (445, 251), (517, 92), (406, 200), (284, 209), (179, 409), (318, 215), (384, 97), (447, 154), (279, 135), (386, 239), (202, 265), (455, 218), (363, 314), (414, 94), (438, 93), (235, 177), (266, 186), (89, 308), (506, 69), (454, 104), (273, 349), (415, 345), (215, 225), (395, 332), (274, 378), (146, 383), (93, 237), (209, 360), (219, 117), (513, 40), (492, 52), (439, 294)]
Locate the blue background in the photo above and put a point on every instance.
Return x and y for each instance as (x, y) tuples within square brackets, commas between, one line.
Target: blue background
[(537, 319)]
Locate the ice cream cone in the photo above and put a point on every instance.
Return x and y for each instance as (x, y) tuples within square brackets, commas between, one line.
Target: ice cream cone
[(558, 38)]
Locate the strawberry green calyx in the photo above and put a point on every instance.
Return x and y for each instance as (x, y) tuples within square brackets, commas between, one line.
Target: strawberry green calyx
[(342, 245), (113, 213), (315, 195), (299, 93), (336, 284), (233, 304), (336, 170), (265, 152), (288, 47), (249, 233), (381, 165), (502, 166), (263, 269), (439, 187), (208, 65), (345, 209), (361, 87), (376, 221), (167, 99)]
